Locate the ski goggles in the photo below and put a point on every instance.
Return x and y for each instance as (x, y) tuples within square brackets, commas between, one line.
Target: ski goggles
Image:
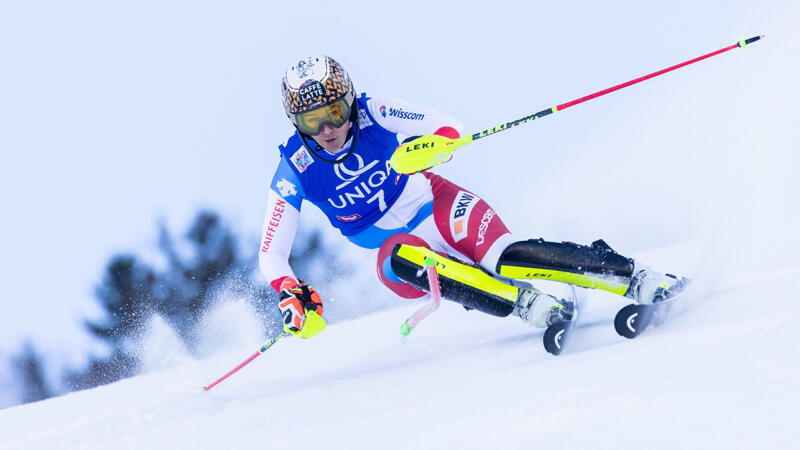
[(334, 114)]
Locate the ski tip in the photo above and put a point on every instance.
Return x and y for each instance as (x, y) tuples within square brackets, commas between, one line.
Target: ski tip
[(555, 337), (633, 319), (625, 322)]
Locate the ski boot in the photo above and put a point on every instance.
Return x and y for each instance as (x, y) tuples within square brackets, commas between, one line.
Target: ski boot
[(545, 311), (648, 286), (542, 310)]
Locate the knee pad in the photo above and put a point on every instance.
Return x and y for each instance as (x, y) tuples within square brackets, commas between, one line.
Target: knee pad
[(385, 273)]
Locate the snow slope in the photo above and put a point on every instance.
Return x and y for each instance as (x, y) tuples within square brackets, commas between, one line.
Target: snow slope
[(724, 372), (718, 141)]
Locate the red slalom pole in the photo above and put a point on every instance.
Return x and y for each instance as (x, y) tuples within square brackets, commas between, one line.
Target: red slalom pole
[(248, 360)]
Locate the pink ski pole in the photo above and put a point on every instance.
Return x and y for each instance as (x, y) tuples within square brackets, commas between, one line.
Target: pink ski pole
[(436, 299), (248, 360)]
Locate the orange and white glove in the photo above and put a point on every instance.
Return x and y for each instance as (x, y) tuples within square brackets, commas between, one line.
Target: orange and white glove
[(301, 308)]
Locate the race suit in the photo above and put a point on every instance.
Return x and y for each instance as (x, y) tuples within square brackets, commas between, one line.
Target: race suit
[(374, 206)]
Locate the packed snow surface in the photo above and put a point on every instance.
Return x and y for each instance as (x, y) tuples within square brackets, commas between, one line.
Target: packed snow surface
[(707, 153), (722, 372)]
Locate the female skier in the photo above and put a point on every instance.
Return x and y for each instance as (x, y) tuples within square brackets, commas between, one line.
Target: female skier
[(338, 159)]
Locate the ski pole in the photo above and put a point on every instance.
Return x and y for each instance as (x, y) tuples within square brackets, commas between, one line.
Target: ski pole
[(428, 151), (255, 355), (436, 299)]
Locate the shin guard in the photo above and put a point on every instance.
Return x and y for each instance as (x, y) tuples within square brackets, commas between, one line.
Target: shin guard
[(596, 266), (462, 283)]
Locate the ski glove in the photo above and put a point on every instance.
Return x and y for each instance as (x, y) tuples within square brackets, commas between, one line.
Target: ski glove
[(301, 308)]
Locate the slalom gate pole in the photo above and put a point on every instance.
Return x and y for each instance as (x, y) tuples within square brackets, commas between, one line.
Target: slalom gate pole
[(255, 355), (437, 149), (436, 298)]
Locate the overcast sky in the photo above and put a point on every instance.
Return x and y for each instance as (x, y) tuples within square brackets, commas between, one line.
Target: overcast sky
[(114, 115)]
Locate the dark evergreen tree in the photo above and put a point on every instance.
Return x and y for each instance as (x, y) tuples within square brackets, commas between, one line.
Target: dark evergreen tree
[(30, 372), (214, 259), (126, 296), (183, 290), (102, 371), (190, 282)]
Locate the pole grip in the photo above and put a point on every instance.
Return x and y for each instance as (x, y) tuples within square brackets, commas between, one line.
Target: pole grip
[(751, 40)]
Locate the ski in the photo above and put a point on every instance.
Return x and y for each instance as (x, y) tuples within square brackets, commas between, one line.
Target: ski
[(635, 318), (557, 335)]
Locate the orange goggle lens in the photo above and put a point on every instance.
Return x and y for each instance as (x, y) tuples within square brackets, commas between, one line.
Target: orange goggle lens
[(335, 114)]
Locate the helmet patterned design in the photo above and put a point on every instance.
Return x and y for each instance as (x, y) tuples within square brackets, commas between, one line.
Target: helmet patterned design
[(313, 82)]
